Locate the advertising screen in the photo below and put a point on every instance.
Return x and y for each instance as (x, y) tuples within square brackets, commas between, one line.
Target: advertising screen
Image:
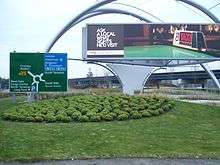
[(38, 72), (152, 41)]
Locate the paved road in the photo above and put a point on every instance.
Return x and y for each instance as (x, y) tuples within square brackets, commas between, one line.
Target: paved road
[(123, 161)]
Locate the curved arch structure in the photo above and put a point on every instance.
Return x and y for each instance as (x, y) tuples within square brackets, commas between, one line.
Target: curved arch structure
[(202, 9), (96, 6), (145, 72), (93, 14), (106, 11), (76, 19), (142, 11)]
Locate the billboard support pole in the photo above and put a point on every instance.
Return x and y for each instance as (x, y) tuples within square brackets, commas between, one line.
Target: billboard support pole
[(30, 97), (132, 79), (13, 98), (211, 74)]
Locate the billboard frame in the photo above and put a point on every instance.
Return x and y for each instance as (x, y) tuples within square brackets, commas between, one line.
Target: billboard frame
[(85, 43)]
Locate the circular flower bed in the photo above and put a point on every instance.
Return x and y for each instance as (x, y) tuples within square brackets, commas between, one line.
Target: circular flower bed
[(90, 109)]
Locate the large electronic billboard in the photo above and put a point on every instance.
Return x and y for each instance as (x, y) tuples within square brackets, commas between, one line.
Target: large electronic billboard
[(152, 41), (38, 72)]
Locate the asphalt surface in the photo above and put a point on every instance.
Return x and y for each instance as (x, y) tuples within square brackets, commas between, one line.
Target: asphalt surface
[(121, 161)]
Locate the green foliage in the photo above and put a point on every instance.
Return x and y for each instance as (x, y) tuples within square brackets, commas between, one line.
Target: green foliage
[(123, 116), (154, 112), (135, 115), (83, 118), (167, 107), (145, 113), (84, 108), (76, 115), (95, 118), (49, 117), (107, 117), (161, 111)]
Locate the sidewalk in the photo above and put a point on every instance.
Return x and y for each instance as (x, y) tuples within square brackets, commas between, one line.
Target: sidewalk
[(122, 161)]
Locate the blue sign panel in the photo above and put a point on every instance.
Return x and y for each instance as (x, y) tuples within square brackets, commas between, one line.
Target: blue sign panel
[(55, 62)]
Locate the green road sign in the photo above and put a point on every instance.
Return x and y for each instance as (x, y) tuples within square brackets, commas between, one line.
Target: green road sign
[(38, 72)]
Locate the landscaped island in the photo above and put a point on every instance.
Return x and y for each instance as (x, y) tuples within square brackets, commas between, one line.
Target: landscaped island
[(90, 108), (187, 131)]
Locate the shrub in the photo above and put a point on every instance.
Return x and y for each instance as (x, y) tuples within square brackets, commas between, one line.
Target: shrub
[(90, 114), (161, 111), (123, 116), (107, 117), (127, 109), (44, 111), (154, 107), (114, 115), (95, 118), (76, 115), (90, 108), (83, 118), (12, 116), (70, 111), (154, 112), (145, 113), (62, 116), (66, 119), (167, 107), (115, 106), (84, 111), (135, 115), (39, 119), (50, 117)]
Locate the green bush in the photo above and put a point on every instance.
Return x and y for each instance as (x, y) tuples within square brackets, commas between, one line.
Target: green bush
[(145, 113), (84, 111), (95, 118), (49, 117), (123, 116), (39, 119), (106, 117), (154, 112), (83, 118), (167, 107), (135, 115), (76, 115), (161, 111), (84, 108)]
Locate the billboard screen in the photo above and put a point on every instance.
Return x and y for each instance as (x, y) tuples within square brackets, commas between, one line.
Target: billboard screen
[(152, 41), (38, 72)]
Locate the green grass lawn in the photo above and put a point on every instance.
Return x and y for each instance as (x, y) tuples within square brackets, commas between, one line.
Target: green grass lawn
[(189, 131)]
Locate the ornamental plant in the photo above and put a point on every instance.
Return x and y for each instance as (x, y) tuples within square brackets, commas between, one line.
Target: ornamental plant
[(90, 108)]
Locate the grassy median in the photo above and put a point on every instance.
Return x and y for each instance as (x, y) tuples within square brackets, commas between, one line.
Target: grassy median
[(189, 131)]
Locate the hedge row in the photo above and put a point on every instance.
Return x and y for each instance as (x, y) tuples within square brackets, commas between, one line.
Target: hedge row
[(90, 108)]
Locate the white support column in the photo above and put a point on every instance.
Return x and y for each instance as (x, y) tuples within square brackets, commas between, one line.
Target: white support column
[(211, 74), (133, 77)]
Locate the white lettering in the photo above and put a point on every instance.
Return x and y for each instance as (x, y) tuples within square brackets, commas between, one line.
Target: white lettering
[(103, 38)]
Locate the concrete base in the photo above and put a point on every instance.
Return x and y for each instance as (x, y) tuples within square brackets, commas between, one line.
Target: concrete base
[(133, 78)]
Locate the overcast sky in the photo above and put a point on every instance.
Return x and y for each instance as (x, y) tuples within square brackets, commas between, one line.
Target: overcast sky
[(30, 25)]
